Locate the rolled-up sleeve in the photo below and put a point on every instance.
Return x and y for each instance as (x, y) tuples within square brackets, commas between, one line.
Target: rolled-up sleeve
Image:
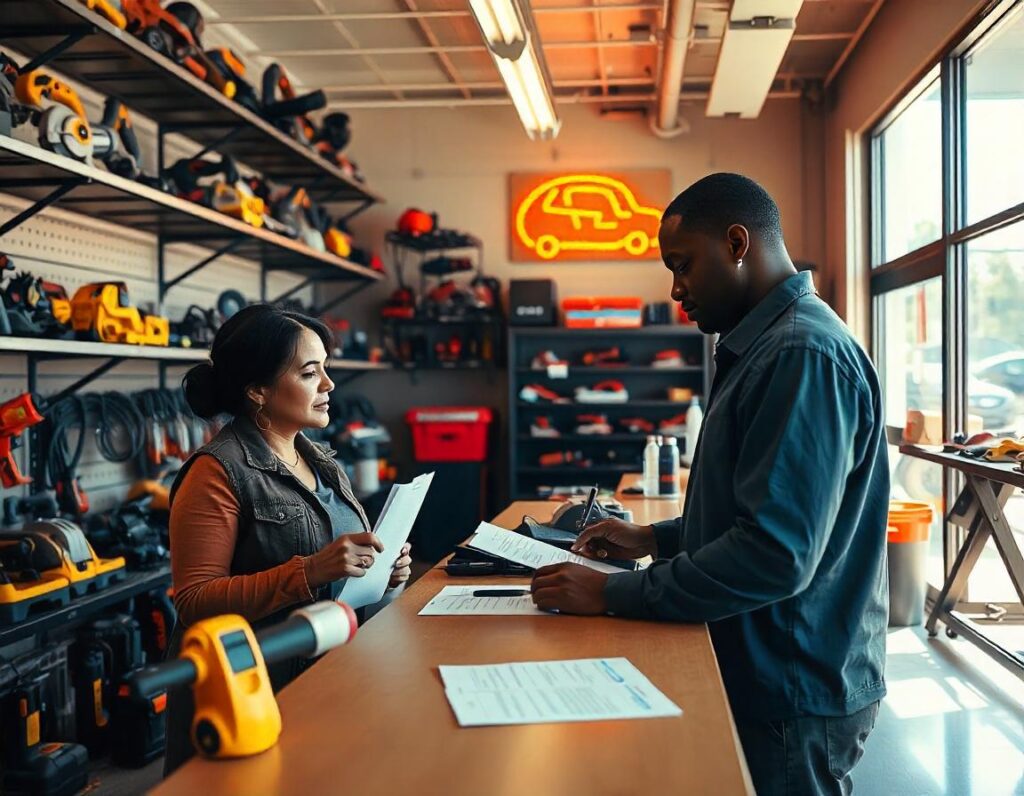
[(798, 446)]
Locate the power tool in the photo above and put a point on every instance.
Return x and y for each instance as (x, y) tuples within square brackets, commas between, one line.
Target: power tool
[(225, 663), (232, 67), (57, 547), (33, 767), (105, 652), (65, 129), (102, 311), (289, 112), (12, 112), (138, 731), (198, 327), (33, 307), (62, 123), (115, 141), (229, 195), (294, 208), (110, 10), (175, 31), (336, 238), (16, 415), (126, 532), (332, 137), (24, 592)]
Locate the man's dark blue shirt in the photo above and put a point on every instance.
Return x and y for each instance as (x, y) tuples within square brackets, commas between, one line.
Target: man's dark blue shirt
[(782, 546)]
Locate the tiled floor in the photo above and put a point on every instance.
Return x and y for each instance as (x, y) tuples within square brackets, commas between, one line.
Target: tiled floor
[(953, 723)]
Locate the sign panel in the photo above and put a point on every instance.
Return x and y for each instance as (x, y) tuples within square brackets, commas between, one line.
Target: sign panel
[(587, 215)]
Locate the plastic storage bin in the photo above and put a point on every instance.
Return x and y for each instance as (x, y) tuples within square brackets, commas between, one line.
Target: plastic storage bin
[(909, 528), (449, 433)]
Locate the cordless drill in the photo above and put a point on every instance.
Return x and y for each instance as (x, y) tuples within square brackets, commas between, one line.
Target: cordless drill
[(16, 415)]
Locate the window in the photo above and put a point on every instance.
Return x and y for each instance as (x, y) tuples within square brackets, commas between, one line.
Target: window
[(910, 160), (995, 120), (911, 325), (947, 236)]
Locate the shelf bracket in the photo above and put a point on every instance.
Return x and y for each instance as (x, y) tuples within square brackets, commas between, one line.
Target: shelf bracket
[(219, 142), (225, 249), (86, 380), (40, 204), (164, 129), (74, 34), (309, 280), (334, 302), (366, 203)]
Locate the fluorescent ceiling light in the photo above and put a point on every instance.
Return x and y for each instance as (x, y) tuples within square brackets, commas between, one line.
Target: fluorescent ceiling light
[(508, 30), (755, 41)]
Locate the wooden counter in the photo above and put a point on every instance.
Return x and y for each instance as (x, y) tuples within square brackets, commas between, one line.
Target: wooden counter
[(372, 718), (635, 502)]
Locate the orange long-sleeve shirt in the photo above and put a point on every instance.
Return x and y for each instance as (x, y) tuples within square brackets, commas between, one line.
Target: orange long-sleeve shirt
[(204, 531)]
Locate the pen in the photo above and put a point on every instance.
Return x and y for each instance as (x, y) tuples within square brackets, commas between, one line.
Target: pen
[(590, 507), (500, 592)]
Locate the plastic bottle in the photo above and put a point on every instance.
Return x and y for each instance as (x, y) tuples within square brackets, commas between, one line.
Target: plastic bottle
[(694, 418), (668, 469), (650, 477)]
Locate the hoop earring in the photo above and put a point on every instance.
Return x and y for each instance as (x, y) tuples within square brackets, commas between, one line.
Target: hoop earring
[(256, 419)]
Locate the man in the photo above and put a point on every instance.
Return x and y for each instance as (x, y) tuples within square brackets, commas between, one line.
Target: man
[(781, 549)]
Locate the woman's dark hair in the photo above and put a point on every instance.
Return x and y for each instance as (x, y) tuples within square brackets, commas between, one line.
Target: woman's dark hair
[(253, 347)]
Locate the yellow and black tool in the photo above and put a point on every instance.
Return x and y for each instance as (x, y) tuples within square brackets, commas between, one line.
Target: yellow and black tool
[(25, 591), (57, 548), (111, 11), (63, 125), (102, 311), (236, 714)]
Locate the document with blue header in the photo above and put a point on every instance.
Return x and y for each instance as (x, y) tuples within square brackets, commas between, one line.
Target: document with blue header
[(588, 689)]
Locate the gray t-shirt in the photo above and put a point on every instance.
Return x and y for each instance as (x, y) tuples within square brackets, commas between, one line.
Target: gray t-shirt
[(343, 517)]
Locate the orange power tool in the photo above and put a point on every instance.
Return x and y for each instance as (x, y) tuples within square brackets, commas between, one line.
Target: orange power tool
[(15, 416)]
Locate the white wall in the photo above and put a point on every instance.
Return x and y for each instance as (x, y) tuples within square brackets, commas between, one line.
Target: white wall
[(457, 162)]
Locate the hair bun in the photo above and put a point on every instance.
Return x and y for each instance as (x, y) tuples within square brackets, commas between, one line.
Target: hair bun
[(200, 385)]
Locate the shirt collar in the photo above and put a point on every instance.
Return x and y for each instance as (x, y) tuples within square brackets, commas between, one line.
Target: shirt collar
[(757, 321)]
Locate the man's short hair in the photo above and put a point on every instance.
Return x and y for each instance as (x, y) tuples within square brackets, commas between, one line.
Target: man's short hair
[(716, 202)]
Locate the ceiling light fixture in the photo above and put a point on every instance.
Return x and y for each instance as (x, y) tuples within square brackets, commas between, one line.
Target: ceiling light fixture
[(755, 41), (511, 37)]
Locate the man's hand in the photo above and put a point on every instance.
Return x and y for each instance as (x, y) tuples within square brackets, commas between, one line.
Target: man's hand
[(569, 589), (615, 538)]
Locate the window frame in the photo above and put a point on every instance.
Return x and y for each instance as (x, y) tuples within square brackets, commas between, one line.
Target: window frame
[(945, 258)]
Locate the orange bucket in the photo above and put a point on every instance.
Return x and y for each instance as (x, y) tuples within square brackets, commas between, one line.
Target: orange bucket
[(909, 521)]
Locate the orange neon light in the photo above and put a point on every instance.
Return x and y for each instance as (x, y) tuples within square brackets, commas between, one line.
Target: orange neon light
[(618, 223)]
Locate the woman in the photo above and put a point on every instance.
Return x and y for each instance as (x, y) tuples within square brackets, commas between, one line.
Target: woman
[(262, 519)]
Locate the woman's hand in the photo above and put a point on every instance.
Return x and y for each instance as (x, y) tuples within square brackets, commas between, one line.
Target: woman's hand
[(403, 568), (348, 556)]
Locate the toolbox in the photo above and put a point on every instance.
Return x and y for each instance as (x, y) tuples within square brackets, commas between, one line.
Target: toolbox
[(449, 433)]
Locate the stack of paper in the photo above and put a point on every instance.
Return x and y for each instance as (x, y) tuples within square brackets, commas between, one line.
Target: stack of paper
[(591, 689), (526, 551)]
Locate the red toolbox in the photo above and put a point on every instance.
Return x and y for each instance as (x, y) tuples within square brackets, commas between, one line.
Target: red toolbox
[(449, 433)]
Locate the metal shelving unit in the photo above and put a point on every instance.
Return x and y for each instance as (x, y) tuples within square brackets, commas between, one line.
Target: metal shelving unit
[(82, 609), (45, 178), (644, 383), (83, 45), (43, 348)]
